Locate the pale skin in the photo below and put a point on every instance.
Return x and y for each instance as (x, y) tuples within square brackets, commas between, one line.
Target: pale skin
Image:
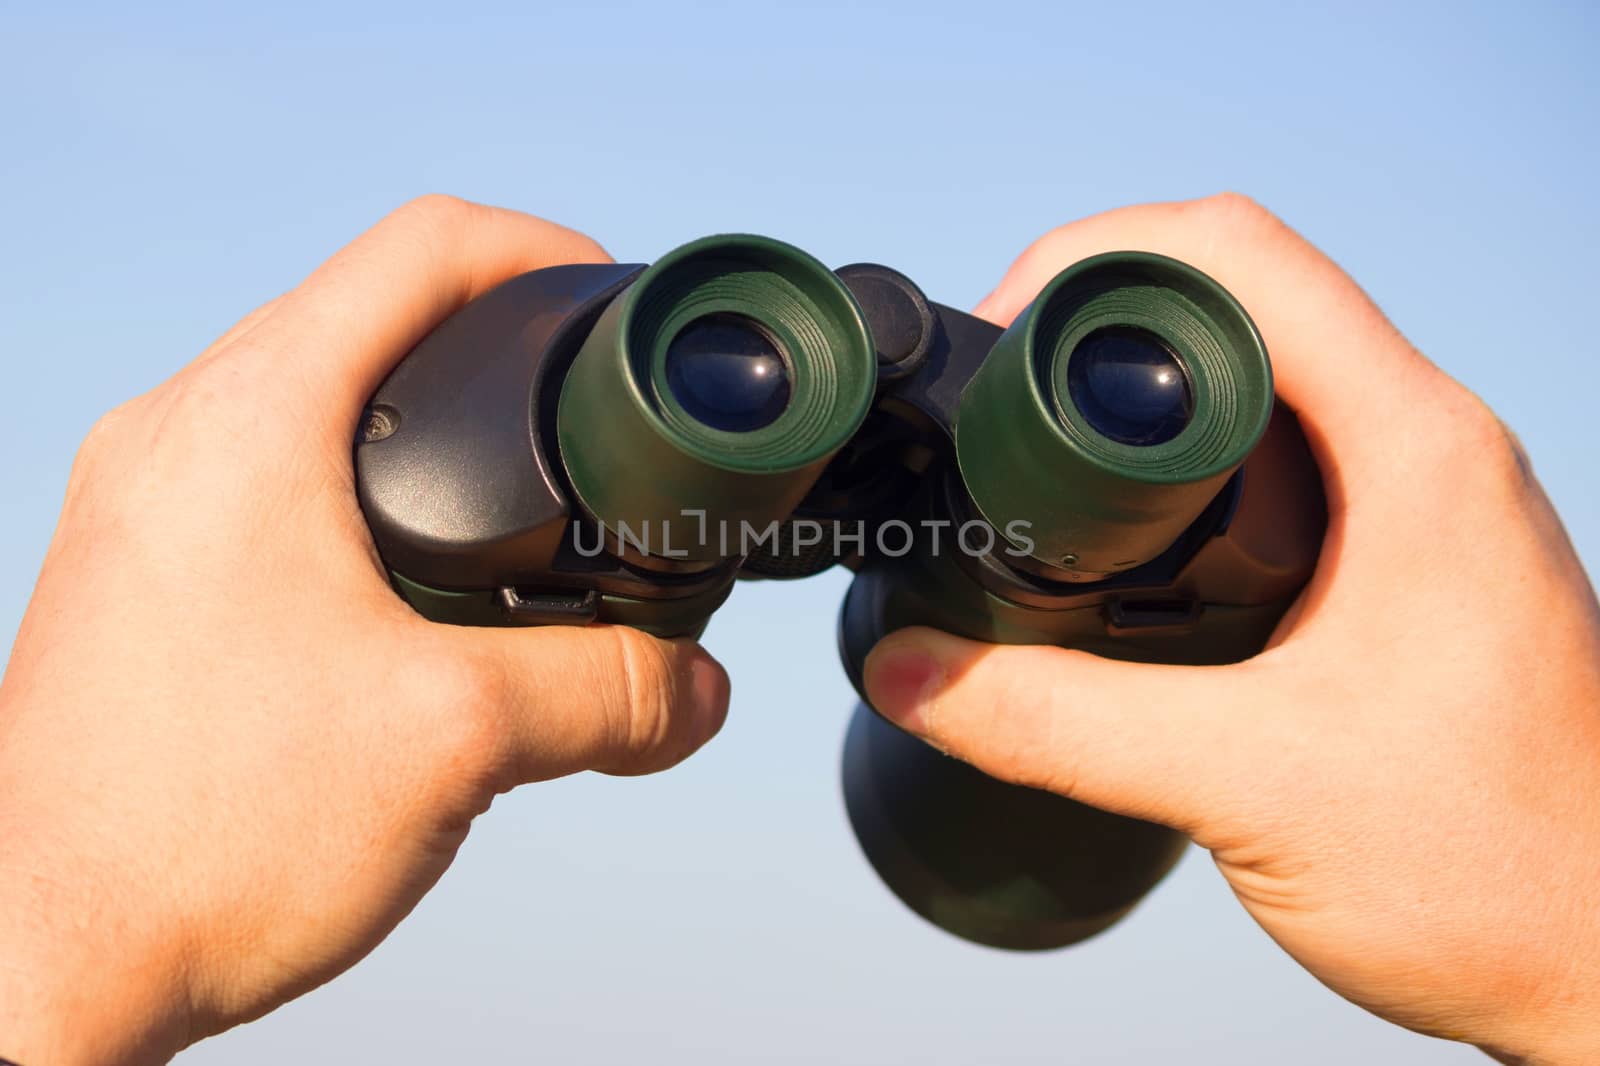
[(231, 760), (1404, 789)]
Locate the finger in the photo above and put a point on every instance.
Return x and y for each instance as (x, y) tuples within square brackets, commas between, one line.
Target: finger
[(986, 308), (1336, 359), (346, 325), (608, 698), (1150, 741)]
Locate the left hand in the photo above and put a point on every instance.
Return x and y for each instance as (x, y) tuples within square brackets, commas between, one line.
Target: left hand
[(231, 759)]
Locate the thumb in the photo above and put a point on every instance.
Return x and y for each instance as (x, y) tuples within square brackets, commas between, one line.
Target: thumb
[(607, 698), (1151, 741)]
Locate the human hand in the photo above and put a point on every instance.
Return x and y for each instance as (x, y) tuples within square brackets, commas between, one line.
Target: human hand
[(231, 759), (1404, 789)]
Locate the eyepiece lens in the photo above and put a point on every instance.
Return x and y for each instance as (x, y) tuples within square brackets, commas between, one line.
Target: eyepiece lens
[(1130, 386), (728, 373)]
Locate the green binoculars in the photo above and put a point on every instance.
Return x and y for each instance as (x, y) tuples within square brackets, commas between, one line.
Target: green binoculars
[(619, 443)]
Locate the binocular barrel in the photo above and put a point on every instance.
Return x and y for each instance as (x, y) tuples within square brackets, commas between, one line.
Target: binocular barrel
[(710, 395), (993, 863), (1112, 411)]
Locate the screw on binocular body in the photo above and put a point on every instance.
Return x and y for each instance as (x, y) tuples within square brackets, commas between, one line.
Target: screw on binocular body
[(378, 423)]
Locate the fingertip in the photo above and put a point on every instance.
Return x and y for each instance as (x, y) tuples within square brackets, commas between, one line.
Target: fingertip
[(594, 251), (708, 690), (907, 670), (899, 683)]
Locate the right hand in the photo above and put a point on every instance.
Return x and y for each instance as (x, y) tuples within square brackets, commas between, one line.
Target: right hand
[(1404, 789)]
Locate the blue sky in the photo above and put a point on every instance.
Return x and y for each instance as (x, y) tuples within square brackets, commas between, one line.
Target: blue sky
[(168, 167)]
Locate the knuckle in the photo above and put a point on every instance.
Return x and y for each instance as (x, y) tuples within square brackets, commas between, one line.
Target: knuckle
[(1047, 253), (109, 453), (107, 435), (1060, 777), (477, 684), (643, 721), (1234, 220), (1521, 463), (447, 740), (464, 697), (1480, 438), (189, 416), (1457, 449), (1234, 209), (438, 212), (1014, 730)]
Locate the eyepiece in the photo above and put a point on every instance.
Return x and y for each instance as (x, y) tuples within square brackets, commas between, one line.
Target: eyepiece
[(727, 372), (711, 393), (1112, 411), (1130, 386)]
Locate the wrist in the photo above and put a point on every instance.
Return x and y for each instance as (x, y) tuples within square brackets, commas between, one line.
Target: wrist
[(1561, 1031), (75, 987), (1570, 1042)]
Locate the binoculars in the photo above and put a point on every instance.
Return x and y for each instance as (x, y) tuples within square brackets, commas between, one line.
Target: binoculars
[(619, 443)]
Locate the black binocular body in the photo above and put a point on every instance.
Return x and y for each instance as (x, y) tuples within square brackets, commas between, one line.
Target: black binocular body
[(619, 443)]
